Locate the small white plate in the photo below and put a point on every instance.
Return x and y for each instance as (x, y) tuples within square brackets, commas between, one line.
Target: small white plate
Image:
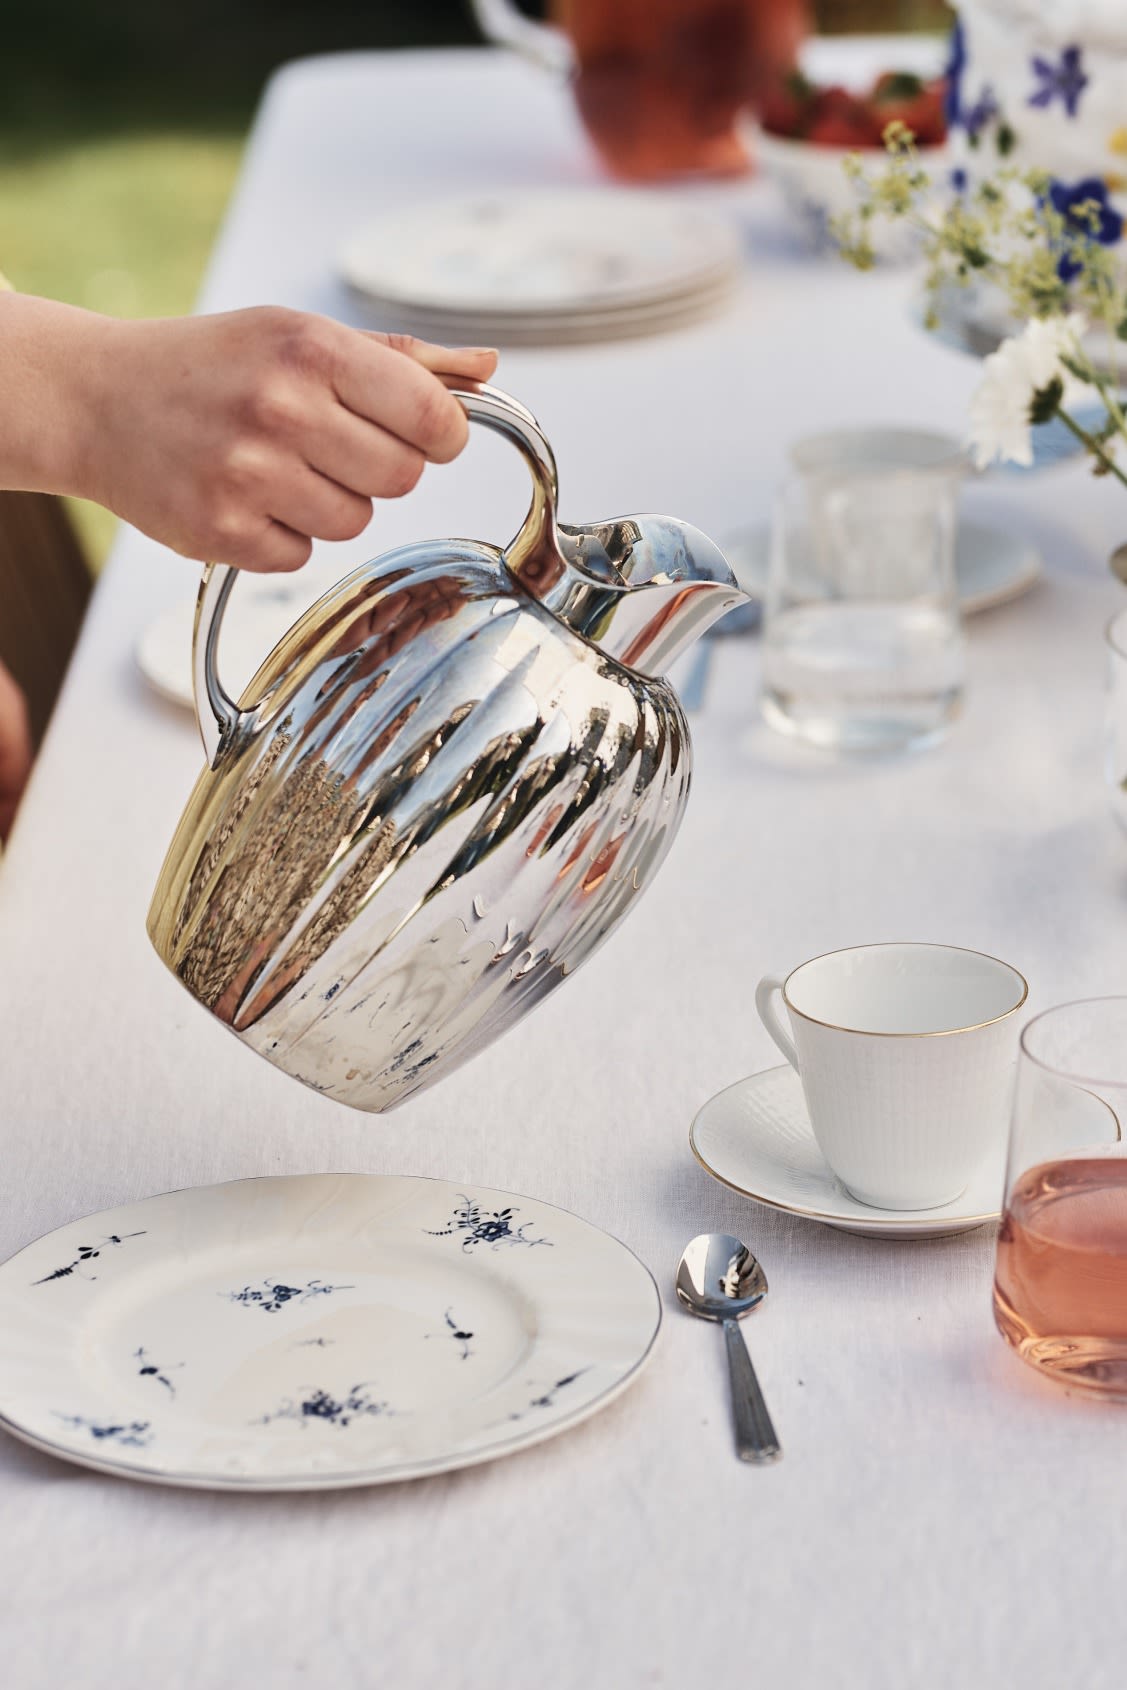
[(310, 1332), (262, 609), (991, 566), (756, 1137), (548, 252)]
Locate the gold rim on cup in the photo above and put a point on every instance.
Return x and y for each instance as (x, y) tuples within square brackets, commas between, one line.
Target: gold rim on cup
[(919, 945)]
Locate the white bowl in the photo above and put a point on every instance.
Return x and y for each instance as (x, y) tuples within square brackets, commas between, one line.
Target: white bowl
[(816, 189)]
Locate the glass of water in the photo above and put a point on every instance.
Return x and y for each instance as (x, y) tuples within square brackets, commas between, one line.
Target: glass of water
[(863, 646)]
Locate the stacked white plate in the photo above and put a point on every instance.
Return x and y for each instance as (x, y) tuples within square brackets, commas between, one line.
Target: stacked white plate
[(544, 268)]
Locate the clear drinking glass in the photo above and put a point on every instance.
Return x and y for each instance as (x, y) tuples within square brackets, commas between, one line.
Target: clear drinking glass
[(863, 645), (1060, 1286), (1115, 744)]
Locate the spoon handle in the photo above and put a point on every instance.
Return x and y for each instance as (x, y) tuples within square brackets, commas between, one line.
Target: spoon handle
[(755, 1435)]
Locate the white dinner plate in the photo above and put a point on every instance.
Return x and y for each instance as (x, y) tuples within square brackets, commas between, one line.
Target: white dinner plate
[(548, 252), (552, 330), (316, 1331), (756, 1137), (991, 566), (261, 610)]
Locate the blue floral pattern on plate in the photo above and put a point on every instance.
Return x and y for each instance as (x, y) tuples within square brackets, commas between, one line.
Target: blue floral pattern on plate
[(134, 1434), (149, 1370), (318, 1405), (86, 1253), (482, 1226), (275, 1295)]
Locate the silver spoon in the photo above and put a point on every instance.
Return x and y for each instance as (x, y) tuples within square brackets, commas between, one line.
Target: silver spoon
[(718, 1278)]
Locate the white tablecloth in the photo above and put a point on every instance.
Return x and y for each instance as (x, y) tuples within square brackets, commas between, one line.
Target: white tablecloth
[(941, 1517)]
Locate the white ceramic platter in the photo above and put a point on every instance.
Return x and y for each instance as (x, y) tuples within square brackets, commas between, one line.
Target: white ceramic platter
[(756, 1137), (546, 252), (991, 566), (309, 1332)]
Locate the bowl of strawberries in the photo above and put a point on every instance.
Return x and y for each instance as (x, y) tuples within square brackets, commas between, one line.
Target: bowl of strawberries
[(805, 132)]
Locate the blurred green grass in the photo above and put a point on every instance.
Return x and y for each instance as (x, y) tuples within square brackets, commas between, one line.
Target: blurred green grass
[(121, 131), (118, 222)]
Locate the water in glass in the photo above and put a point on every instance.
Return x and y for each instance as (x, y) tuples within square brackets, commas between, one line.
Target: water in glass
[(863, 646)]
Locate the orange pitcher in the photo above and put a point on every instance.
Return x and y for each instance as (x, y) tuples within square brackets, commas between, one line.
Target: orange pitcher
[(660, 83)]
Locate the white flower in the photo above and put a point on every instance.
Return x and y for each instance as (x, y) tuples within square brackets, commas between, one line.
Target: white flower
[(1022, 366)]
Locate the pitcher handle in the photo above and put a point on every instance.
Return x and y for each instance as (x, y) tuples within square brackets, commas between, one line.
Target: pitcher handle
[(549, 48), (217, 712), (765, 994)]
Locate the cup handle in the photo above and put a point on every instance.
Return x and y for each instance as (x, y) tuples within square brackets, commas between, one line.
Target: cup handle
[(501, 21), (765, 1005)]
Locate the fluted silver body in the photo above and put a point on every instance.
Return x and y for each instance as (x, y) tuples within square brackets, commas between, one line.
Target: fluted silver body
[(443, 789)]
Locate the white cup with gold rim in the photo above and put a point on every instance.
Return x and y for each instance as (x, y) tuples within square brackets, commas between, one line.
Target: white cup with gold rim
[(907, 1054)]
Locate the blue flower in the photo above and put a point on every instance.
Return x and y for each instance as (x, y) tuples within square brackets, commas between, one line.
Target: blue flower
[(984, 111), (1106, 226), (1066, 80), (956, 65), (959, 180)]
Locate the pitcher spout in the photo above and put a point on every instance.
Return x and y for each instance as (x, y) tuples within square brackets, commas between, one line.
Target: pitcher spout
[(641, 588)]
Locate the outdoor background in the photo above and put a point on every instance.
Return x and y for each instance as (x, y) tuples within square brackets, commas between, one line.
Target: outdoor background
[(121, 127)]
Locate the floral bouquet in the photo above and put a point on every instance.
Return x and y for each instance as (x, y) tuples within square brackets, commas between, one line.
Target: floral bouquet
[(1047, 250)]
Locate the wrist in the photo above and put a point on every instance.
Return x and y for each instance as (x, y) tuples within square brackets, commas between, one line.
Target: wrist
[(53, 359)]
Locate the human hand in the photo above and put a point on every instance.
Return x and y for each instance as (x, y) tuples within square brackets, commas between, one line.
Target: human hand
[(237, 438), (242, 438), (15, 749)]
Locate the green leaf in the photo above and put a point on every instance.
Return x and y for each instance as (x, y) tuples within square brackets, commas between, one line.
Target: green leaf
[(900, 85), (1045, 401), (1004, 139), (1118, 562), (1121, 331), (1075, 369)]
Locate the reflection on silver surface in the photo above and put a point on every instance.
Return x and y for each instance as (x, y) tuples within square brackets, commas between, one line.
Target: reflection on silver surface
[(442, 790), (719, 1279)]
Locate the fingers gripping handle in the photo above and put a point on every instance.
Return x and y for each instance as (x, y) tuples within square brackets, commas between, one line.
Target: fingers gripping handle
[(765, 994), (217, 712)]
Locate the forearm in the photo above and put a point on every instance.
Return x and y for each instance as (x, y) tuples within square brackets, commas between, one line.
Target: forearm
[(52, 363)]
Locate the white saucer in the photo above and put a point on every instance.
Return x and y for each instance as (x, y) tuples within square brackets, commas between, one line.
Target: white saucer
[(991, 565), (756, 1137), (312, 1332)]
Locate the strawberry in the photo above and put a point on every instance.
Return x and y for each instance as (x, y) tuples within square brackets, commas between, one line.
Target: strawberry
[(786, 109), (841, 130), (836, 101), (899, 97), (782, 114)]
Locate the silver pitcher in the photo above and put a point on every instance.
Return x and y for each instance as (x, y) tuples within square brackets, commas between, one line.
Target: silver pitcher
[(442, 790)]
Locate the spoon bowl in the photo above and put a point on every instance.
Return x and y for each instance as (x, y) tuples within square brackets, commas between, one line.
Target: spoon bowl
[(719, 1279)]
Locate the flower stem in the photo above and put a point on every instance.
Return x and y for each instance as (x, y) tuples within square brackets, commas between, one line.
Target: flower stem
[(1091, 444)]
